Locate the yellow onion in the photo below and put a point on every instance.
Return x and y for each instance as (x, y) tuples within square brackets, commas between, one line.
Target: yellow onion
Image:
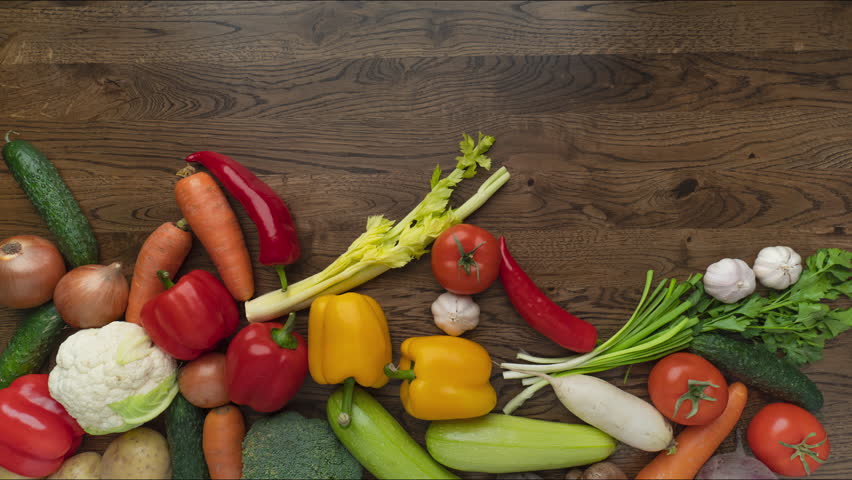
[(92, 295), (30, 267)]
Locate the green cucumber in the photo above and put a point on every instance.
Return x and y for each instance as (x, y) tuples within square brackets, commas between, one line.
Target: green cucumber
[(759, 368), (184, 429), (50, 196), (497, 443), (29, 347), (379, 442)]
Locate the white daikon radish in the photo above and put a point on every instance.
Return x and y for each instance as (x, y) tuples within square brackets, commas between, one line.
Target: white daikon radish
[(625, 417)]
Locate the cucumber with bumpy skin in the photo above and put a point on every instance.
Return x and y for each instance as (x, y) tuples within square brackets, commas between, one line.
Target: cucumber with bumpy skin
[(41, 329), (50, 196), (184, 430), (758, 367), (31, 344)]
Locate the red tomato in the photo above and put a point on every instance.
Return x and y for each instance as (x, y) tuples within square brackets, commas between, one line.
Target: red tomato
[(782, 430), (690, 383), (465, 259)]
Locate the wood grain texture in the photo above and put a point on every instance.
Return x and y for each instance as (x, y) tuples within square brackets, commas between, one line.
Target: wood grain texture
[(269, 32), (429, 87), (639, 136)]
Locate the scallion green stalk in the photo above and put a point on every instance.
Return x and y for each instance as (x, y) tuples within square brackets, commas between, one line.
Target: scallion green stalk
[(658, 326)]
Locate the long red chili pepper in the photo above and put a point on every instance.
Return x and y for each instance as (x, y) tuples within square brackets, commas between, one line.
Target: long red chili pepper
[(279, 244), (540, 312)]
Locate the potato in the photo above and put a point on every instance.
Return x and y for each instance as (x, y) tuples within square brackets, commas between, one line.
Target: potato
[(603, 471), (574, 474), (81, 466), (139, 453)]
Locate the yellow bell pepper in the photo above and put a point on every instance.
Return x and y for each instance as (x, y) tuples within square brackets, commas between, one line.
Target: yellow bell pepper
[(449, 378), (348, 341)]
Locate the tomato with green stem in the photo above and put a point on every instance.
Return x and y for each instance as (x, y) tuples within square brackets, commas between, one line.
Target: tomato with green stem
[(465, 259), (788, 439), (688, 389)]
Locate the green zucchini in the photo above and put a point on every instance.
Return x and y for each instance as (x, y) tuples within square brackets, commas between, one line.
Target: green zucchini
[(184, 429), (759, 368), (31, 344), (50, 196), (379, 442), (499, 443)]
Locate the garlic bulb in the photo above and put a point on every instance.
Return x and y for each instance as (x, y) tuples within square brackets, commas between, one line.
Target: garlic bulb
[(778, 267), (729, 280), (455, 314)]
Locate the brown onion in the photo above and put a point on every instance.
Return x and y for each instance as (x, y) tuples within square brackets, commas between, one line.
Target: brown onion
[(202, 381), (30, 268), (92, 295)]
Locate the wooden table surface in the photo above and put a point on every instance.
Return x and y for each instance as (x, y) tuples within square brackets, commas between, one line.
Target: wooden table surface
[(639, 136)]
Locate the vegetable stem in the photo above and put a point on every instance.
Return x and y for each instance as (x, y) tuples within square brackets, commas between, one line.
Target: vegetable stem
[(164, 277), (346, 409), (392, 371), (283, 336), (282, 277), (803, 450)]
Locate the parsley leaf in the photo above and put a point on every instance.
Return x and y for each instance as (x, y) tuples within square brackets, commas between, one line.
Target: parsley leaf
[(793, 322)]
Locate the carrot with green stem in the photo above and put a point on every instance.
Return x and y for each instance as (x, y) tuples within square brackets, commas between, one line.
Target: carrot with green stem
[(697, 443), (165, 249), (205, 207)]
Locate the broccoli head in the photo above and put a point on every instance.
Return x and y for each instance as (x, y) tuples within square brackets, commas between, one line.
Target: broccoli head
[(290, 446)]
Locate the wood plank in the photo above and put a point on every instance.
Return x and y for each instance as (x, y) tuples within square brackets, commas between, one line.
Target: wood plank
[(380, 88), (777, 139), (272, 32), (810, 201)]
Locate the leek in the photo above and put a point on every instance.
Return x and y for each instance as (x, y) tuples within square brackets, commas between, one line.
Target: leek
[(387, 244)]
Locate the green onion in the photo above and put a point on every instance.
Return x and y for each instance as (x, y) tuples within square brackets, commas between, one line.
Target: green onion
[(659, 326)]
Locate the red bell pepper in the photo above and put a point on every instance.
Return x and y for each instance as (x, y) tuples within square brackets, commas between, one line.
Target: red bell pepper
[(265, 365), (37, 432), (540, 312), (279, 244), (191, 316)]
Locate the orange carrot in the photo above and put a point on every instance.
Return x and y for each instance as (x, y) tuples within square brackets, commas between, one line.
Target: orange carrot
[(222, 442), (165, 249), (697, 443), (214, 223)]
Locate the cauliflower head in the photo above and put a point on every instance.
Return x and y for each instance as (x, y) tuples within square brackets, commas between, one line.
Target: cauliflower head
[(112, 379)]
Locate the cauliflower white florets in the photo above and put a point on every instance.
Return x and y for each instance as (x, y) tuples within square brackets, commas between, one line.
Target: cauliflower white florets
[(113, 378)]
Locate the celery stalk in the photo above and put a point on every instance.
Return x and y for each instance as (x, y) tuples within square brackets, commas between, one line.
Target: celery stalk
[(386, 244)]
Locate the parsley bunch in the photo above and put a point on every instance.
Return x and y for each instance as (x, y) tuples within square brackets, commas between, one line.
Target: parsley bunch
[(793, 322)]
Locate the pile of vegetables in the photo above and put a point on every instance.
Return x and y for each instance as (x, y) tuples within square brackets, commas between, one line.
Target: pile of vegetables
[(182, 352), (669, 318)]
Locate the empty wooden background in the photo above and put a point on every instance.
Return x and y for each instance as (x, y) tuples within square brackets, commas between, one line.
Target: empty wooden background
[(639, 136)]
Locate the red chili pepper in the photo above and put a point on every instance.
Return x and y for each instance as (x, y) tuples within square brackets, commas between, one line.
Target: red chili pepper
[(191, 316), (279, 244), (38, 434), (539, 311), (265, 365)]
